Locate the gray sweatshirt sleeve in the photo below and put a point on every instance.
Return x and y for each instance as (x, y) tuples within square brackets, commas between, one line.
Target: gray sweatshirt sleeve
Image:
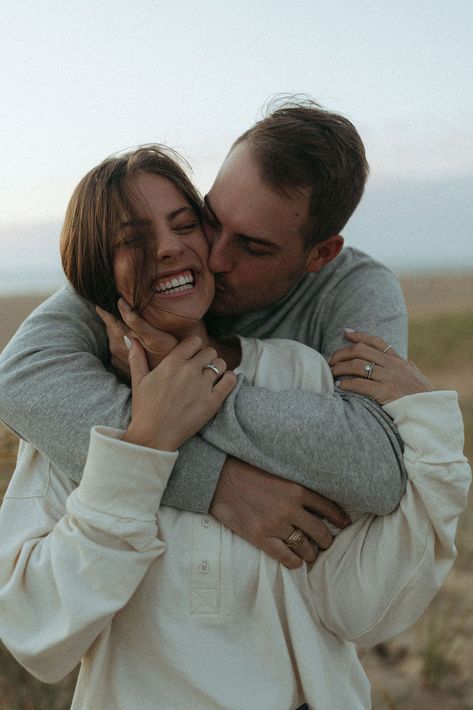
[(55, 388), (343, 446)]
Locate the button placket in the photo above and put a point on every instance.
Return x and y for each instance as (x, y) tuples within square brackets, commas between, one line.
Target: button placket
[(205, 572)]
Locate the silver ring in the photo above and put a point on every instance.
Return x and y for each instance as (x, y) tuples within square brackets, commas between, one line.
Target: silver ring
[(387, 348), (368, 368), (211, 366), (295, 539)]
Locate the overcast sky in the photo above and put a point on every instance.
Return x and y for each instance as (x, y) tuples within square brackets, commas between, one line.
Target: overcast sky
[(81, 79)]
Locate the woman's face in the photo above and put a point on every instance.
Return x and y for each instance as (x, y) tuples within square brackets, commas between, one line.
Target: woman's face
[(181, 288)]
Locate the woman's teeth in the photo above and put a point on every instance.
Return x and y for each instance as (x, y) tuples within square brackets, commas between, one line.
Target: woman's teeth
[(184, 282)]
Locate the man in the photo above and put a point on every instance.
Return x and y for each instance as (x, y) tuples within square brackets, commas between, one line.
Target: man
[(274, 213)]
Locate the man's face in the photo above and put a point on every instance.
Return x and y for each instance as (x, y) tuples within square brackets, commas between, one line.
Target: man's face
[(256, 249)]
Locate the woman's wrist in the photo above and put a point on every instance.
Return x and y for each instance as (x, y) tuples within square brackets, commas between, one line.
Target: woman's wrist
[(140, 436)]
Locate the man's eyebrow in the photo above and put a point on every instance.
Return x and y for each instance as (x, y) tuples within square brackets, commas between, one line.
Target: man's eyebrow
[(247, 237)]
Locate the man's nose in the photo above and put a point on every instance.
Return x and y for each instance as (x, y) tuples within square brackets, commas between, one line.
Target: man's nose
[(220, 257)]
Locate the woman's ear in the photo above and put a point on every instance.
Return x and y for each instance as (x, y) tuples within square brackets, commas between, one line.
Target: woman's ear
[(323, 253)]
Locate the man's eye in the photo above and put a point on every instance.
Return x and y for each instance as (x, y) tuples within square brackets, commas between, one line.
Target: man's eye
[(254, 251)]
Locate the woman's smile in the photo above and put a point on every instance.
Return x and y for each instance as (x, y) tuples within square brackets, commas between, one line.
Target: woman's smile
[(182, 285)]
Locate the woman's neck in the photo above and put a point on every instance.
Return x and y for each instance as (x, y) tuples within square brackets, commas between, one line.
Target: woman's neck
[(227, 348)]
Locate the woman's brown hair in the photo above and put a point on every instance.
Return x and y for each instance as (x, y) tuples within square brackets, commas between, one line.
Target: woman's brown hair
[(104, 199)]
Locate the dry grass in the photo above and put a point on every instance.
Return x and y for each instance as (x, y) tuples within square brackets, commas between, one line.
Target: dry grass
[(428, 667)]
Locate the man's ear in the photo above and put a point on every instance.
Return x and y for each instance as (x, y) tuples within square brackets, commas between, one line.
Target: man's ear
[(323, 253)]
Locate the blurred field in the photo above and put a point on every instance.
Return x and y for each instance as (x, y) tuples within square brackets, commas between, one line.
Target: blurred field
[(430, 667)]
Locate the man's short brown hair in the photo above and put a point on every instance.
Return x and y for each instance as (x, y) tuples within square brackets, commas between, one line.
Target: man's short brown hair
[(300, 146)]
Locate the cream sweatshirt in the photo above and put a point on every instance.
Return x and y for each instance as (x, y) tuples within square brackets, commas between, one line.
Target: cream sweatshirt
[(169, 609)]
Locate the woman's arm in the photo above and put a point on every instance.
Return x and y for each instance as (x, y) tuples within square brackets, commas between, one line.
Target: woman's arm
[(55, 387), (381, 574), (70, 559)]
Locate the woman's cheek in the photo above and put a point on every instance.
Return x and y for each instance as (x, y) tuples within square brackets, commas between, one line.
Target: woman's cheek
[(123, 276)]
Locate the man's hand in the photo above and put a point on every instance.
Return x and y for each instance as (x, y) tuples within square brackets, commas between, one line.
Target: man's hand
[(264, 510)]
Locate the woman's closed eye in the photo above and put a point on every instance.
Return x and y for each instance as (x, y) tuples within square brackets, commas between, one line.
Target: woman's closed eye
[(131, 242), (186, 227)]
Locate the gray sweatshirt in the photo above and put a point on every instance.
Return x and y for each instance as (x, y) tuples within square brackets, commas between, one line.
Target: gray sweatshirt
[(55, 386)]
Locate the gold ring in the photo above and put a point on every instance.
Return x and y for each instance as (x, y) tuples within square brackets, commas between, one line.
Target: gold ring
[(295, 539)]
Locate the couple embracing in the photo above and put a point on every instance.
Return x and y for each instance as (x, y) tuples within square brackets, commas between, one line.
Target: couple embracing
[(276, 483)]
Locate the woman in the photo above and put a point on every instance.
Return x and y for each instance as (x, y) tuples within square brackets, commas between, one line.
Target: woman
[(170, 609)]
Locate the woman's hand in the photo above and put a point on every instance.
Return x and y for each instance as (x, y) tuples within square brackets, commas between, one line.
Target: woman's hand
[(174, 401), (379, 371)]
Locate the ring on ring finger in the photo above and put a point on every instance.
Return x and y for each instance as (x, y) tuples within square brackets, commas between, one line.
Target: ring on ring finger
[(368, 368), (295, 539), (211, 366)]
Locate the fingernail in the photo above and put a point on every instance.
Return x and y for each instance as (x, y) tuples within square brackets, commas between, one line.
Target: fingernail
[(128, 342), (348, 330), (337, 382), (123, 305)]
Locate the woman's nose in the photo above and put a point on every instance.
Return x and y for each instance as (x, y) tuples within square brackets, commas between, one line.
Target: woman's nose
[(169, 244)]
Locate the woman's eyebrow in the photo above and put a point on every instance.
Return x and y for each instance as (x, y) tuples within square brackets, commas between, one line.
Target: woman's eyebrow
[(143, 222), (134, 223), (180, 210)]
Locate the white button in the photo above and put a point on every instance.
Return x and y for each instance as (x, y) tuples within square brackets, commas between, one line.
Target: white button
[(204, 567), (206, 522)]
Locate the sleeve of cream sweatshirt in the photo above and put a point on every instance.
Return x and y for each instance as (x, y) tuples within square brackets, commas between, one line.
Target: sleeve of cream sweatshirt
[(61, 546), (382, 572)]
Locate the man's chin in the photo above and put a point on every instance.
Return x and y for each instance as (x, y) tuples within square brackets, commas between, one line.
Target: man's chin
[(222, 306)]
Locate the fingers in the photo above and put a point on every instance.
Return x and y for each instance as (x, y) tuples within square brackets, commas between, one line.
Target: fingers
[(366, 349), (214, 370), (225, 385), (104, 315), (187, 348), (325, 508), (138, 363), (369, 388), (373, 341), (115, 328), (135, 322), (279, 551), (358, 368)]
